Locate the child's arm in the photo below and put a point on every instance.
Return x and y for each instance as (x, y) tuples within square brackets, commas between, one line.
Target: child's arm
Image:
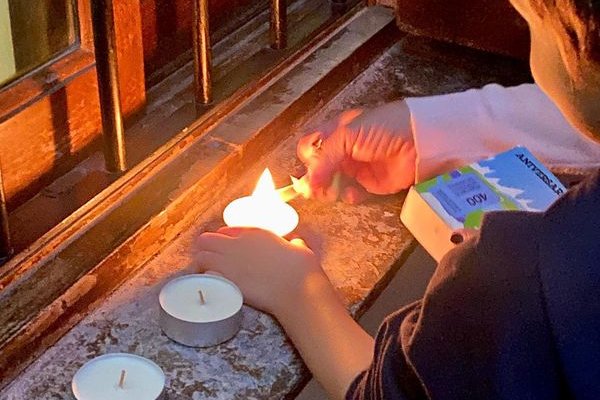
[(460, 128), (389, 148), (284, 279), (334, 347)]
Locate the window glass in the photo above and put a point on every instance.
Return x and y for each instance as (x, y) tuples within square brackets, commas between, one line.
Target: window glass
[(32, 32)]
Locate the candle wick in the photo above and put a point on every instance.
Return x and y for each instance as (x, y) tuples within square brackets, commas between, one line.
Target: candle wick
[(202, 300), (122, 379)]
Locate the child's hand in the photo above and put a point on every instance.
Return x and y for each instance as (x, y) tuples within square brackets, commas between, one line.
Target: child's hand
[(374, 148), (269, 270)]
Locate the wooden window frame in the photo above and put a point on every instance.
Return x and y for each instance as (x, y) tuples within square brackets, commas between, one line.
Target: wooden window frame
[(79, 57), (29, 104), (67, 86)]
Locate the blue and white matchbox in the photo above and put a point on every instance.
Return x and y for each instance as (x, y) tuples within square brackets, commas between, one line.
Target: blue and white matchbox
[(513, 180)]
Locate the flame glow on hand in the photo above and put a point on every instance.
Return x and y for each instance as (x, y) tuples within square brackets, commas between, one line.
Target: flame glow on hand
[(263, 209)]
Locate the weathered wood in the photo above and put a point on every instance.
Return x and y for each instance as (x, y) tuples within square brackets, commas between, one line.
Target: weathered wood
[(47, 137), (40, 30), (6, 249), (130, 55), (49, 120)]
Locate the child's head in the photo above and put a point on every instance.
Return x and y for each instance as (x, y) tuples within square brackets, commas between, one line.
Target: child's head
[(565, 56)]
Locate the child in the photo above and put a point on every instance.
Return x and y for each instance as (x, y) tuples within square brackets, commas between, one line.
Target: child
[(510, 314)]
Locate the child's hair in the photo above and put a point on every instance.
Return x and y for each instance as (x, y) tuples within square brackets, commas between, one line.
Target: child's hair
[(579, 21)]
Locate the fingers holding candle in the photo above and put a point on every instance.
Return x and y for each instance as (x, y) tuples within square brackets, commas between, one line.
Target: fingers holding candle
[(214, 242), (252, 251), (268, 269), (237, 231), (232, 231), (207, 259)]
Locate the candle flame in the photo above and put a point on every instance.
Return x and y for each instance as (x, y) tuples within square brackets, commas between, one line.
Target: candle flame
[(264, 209), (265, 188)]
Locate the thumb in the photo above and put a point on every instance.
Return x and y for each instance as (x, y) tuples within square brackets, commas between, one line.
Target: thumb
[(232, 231)]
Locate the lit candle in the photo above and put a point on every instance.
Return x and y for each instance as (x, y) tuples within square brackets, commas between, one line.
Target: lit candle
[(200, 310), (118, 376), (264, 209)]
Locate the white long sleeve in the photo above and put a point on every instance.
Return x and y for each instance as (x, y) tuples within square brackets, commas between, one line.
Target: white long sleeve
[(460, 128)]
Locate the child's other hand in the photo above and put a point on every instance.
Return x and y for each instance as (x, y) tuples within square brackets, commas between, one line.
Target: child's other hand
[(270, 271), (374, 148)]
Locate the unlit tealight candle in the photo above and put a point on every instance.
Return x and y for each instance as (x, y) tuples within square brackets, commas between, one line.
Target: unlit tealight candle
[(118, 376), (200, 310)]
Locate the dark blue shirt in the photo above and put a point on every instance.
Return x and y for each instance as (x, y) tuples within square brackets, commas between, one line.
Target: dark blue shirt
[(511, 314)]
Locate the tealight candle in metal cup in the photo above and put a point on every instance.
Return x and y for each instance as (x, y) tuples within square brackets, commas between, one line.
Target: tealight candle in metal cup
[(119, 376), (200, 310)]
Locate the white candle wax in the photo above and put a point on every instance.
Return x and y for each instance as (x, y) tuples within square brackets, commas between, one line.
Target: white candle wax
[(99, 378), (180, 298)]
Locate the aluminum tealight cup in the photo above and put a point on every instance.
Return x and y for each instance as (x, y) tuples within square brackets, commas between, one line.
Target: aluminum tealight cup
[(200, 310)]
